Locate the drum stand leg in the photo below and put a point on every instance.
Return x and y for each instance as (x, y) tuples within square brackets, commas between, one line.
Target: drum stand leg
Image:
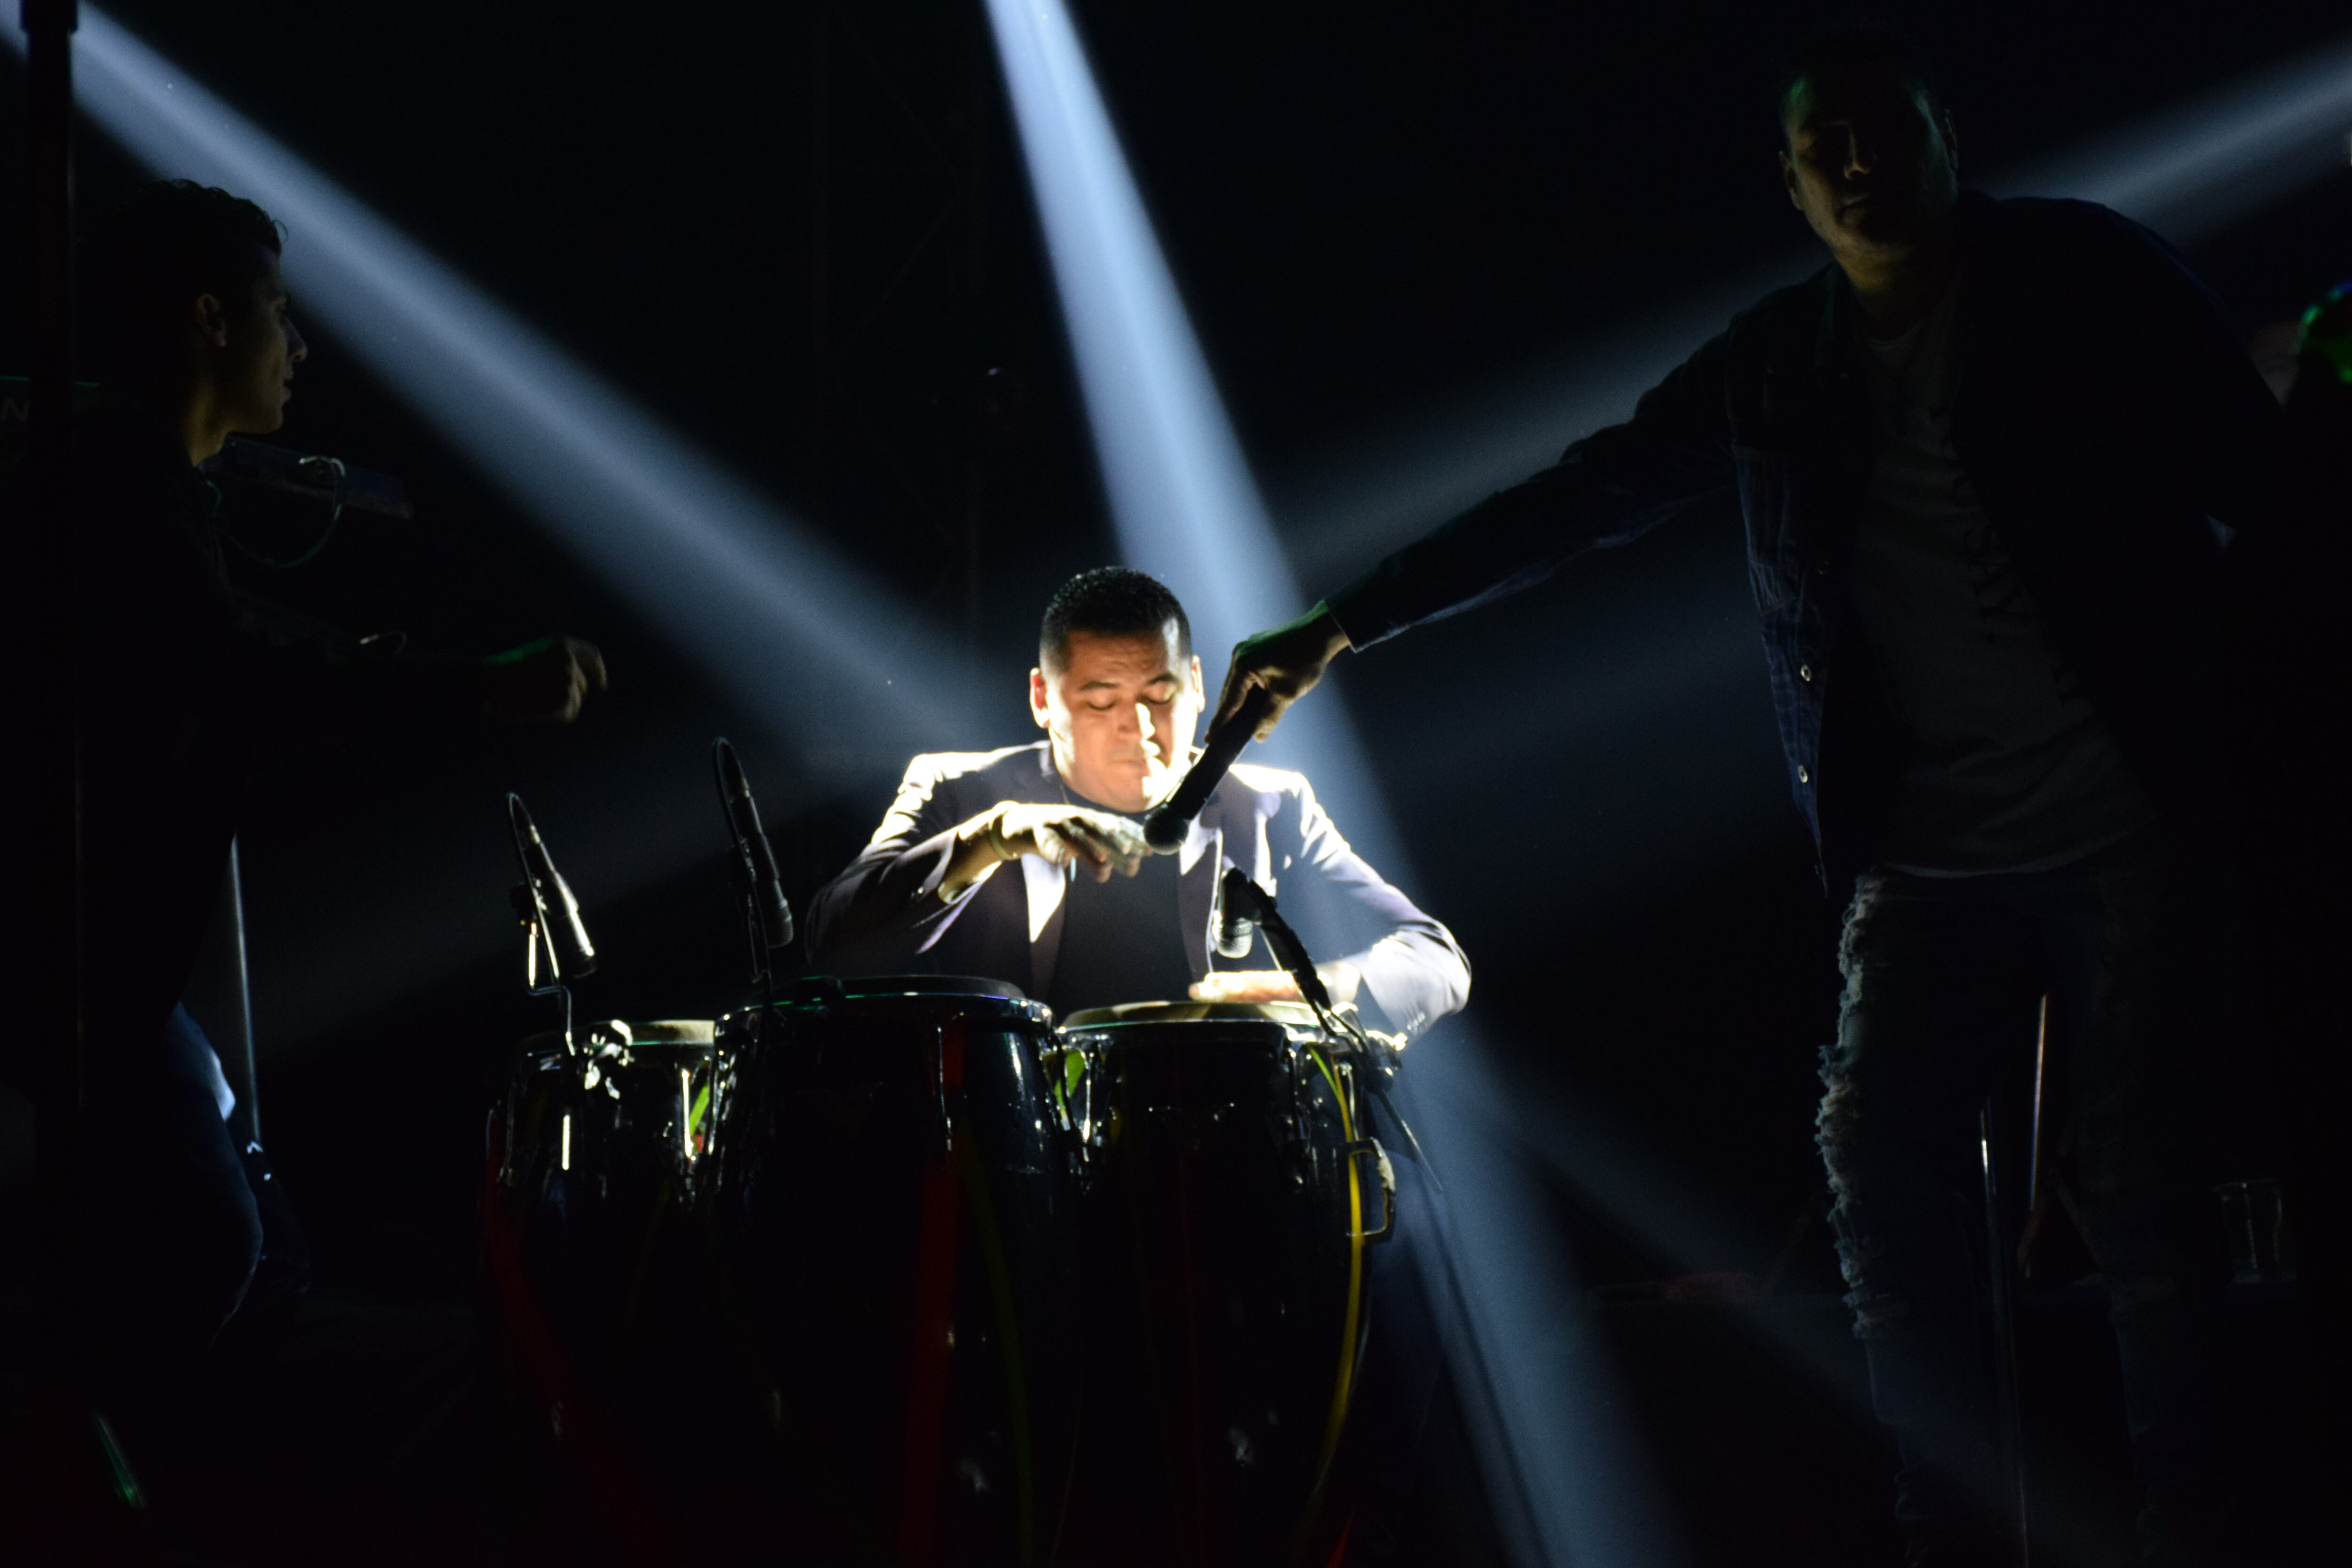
[(1999, 1264)]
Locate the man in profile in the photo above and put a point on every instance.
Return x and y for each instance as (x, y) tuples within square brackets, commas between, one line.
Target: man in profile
[(179, 689), (1977, 457)]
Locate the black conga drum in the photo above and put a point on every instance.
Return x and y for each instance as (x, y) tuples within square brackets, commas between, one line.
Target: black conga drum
[(1230, 1196), (899, 1305), (595, 1262)]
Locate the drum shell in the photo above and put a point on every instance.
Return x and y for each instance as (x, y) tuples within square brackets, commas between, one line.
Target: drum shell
[(597, 1267), (898, 1214), (1223, 1283)]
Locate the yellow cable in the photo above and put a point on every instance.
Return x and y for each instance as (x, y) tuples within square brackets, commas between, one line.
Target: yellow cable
[(1343, 1390)]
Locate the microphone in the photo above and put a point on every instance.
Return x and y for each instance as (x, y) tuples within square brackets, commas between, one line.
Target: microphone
[(1245, 901), (764, 889), (551, 906), (1164, 829), (1236, 929)]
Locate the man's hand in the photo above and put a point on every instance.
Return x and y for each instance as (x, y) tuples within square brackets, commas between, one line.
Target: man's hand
[(1065, 834), (1096, 841), (1286, 663), (1340, 978), (543, 682)]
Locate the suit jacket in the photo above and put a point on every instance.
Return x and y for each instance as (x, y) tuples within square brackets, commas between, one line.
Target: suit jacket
[(883, 913)]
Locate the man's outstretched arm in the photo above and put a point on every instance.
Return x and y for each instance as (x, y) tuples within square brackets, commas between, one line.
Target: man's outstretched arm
[(1617, 483)]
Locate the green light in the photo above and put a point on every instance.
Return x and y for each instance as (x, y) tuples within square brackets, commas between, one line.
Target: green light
[(2327, 331)]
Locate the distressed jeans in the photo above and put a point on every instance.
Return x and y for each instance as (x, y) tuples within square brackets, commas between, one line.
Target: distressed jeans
[(1944, 978)]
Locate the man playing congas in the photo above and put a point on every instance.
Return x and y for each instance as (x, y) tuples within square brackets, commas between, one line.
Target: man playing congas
[(1028, 864)]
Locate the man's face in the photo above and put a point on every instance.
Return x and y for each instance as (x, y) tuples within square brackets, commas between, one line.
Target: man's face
[(1120, 713), (255, 348), (1871, 168)]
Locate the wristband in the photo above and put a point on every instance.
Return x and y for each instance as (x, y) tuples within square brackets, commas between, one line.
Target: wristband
[(996, 844)]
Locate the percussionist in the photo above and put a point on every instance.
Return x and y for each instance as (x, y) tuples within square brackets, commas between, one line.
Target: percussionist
[(1027, 864)]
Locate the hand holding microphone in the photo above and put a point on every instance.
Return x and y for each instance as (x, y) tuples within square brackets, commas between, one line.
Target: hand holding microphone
[(1284, 664)]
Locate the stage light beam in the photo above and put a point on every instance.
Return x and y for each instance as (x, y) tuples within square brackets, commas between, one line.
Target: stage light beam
[(1568, 1485)]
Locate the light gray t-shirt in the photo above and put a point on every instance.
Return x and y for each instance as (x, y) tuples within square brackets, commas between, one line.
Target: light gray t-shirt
[(2009, 767)]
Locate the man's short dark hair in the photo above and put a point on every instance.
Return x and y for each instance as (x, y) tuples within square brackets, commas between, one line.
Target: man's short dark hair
[(1850, 42), (1110, 601), (147, 259)]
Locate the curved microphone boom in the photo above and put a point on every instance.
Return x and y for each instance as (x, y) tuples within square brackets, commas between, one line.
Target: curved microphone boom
[(764, 889), (1165, 828), (1244, 900)]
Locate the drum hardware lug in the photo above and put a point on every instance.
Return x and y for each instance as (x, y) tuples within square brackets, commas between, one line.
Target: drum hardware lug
[(825, 990), (940, 1088), (1372, 1146)]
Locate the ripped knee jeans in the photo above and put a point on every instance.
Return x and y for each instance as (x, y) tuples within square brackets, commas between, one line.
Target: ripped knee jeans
[(1945, 981)]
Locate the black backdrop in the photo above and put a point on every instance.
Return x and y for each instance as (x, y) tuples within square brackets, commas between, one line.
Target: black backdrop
[(1374, 213)]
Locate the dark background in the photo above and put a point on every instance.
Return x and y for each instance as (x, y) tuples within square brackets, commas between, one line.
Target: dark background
[(1373, 214)]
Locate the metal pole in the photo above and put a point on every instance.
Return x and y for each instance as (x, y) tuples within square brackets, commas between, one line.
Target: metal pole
[(43, 542), (60, 1515), (981, 80), (237, 1049), (819, 175), (2004, 1334)]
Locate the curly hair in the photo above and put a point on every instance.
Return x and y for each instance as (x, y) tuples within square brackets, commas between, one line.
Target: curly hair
[(1109, 600), (148, 257)]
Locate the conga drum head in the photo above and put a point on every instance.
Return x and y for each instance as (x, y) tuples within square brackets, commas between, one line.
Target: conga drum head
[(1290, 1014), (821, 987)]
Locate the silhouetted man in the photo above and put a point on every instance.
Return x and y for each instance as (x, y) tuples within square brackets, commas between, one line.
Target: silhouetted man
[(1977, 457), (179, 686)]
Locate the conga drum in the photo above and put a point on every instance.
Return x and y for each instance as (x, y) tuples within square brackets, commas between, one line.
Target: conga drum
[(596, 1176), (1230, 1195), (897, 1225)]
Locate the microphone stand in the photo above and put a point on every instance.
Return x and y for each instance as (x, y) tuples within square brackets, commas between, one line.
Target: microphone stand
[(542, 893), (767, 916), (1244, 901)]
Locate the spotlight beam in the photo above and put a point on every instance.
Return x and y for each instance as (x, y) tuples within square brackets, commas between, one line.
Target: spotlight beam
[(2194, 169), (1567, 1485), (759, 601), (1184, 502)]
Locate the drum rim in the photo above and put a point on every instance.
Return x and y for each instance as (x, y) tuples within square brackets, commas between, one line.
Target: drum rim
[(826, 987), (652, 1032), (1130, 1014)]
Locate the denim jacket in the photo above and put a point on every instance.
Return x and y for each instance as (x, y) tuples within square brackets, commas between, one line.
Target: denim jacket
[(2103, 409)]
